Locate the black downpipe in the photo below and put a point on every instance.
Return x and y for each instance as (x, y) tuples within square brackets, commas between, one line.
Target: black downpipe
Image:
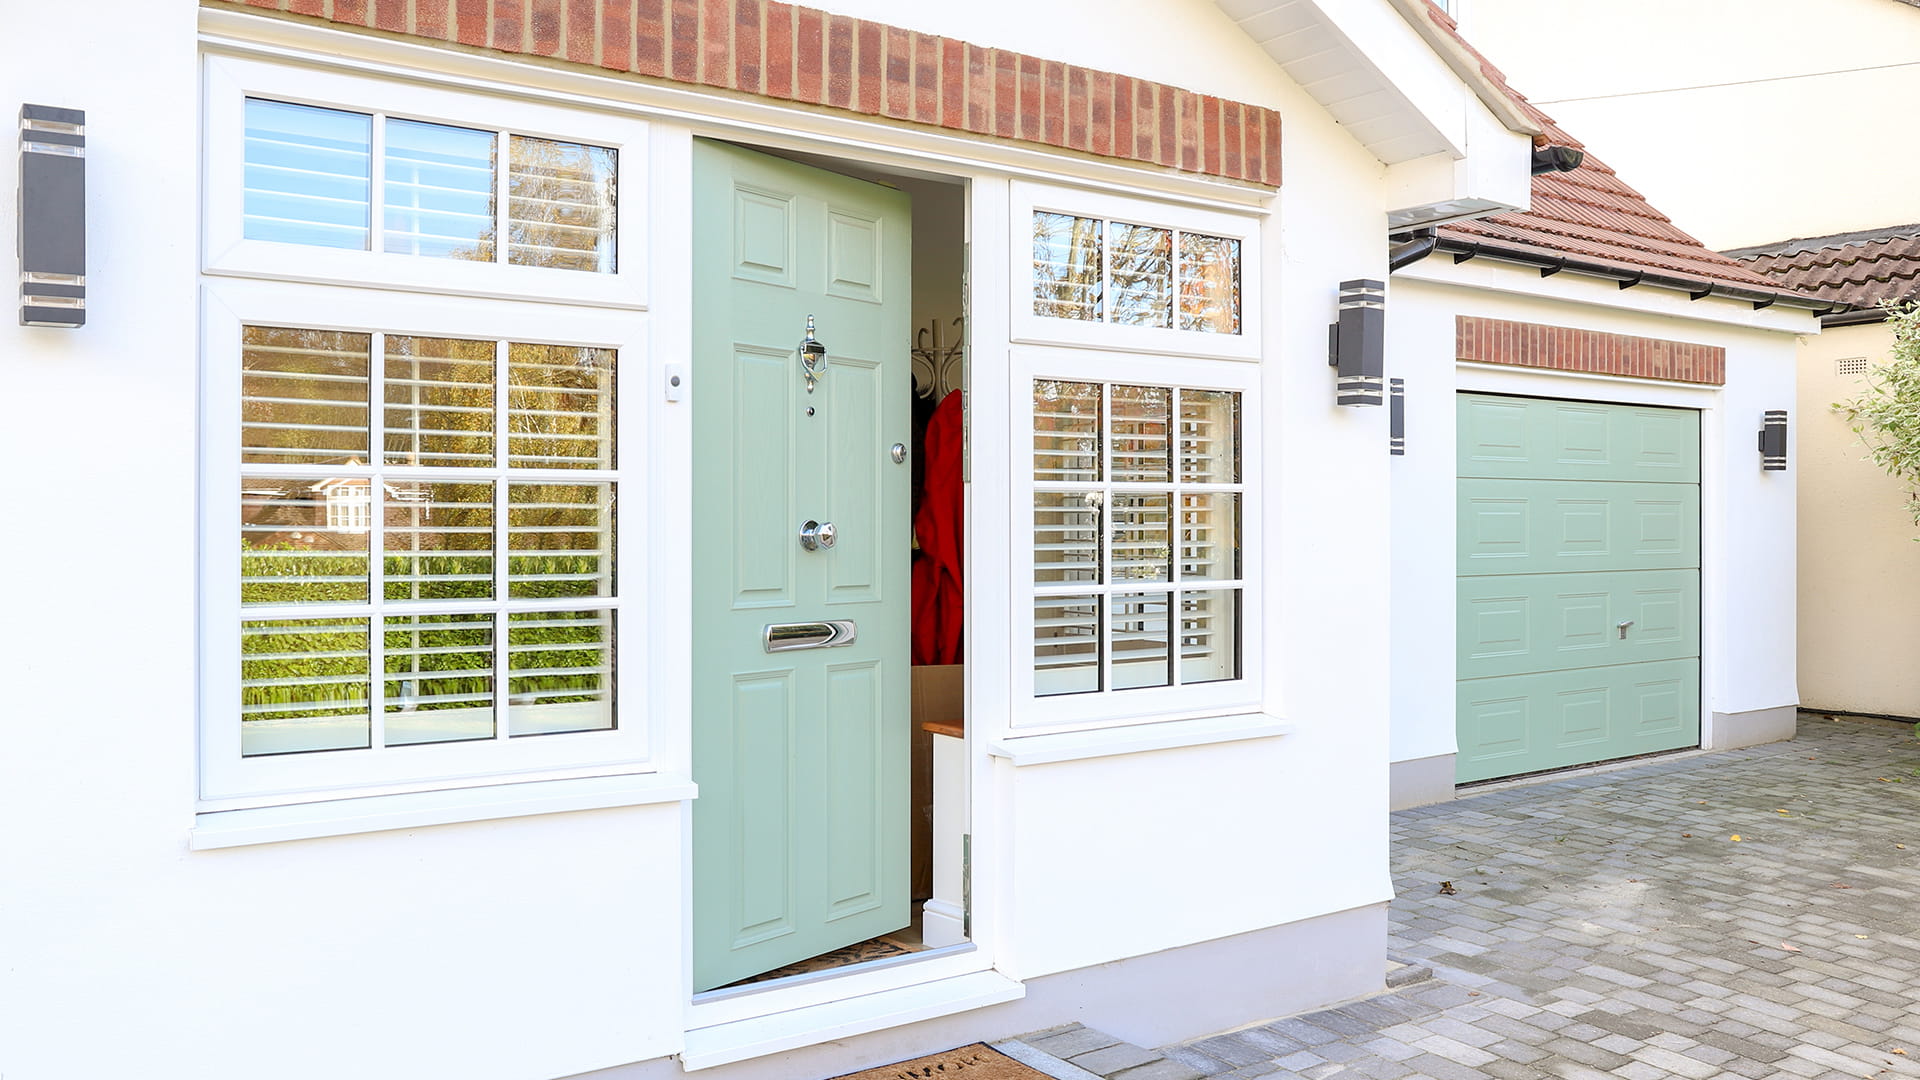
[(1422, 244)]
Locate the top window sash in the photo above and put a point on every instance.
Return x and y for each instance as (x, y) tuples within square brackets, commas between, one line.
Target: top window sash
[(231, 81)]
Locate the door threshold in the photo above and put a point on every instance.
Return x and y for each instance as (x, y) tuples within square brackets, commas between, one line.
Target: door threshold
[(807, 978)]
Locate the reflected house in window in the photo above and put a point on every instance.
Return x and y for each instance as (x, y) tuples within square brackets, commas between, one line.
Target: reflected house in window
[(333, 514)]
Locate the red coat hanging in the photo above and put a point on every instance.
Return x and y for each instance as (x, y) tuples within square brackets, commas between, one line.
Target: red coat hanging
[(939, 529)]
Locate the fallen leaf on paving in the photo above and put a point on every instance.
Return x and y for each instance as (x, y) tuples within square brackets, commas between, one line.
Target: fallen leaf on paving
[(1790, 948), (1884, 780), (1897, 1050), (1447, 889), (1735, 838), (1862, 937), (1837, 885), (1686, 836), (1782, 812), (1902, 847)]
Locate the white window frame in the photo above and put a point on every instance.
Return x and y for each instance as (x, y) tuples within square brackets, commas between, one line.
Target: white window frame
[(1117, 708), (231, 81), (229, 780), (1031, 328)]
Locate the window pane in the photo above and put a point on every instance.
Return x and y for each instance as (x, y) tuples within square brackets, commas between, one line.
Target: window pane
[(1141, 269), (439, 540), (439, 191), (1140, 443), (1066, 645), (309, 174), (561, 665), (303, 686), (1209, 636), (304, 541), (560, 205), (1142, 548), (1138, 637), (1210, 536), (1209, 284), (560, 540), (559, 407), (439, 678), (1066, 537), (1209, 437), (1066, 430), (1066, 266), (303, 396), (439, 407)]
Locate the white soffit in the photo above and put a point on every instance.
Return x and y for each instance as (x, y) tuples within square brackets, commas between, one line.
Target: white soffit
[(1339, 51)]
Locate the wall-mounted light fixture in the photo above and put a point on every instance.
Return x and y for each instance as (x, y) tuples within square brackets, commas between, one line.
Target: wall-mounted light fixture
[(1358, 343), (53, 216), (1397, 417), (1773, 441)]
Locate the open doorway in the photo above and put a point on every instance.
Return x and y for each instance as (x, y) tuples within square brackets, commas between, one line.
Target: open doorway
[(828, 336)]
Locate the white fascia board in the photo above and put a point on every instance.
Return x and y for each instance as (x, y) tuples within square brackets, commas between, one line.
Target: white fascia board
[(1494, 176), (1488, 274), (1371, 70)]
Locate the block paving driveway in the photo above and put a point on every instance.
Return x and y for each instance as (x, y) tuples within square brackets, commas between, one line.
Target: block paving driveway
[(1754, 913)]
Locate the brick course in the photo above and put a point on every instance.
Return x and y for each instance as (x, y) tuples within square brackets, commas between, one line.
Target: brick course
[(810, 57), (1562, 348)]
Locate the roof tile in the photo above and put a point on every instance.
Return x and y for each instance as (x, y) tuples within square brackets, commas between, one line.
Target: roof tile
[(1862, 271)]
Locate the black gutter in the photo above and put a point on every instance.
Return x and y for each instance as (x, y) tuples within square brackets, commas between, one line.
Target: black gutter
[(1696, 288), (1855, 317), (1419, 245)]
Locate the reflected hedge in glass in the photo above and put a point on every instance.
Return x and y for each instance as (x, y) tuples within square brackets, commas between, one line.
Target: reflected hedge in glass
[(1209, 284), (1209, 437), (1140, 268), (304, 686), (438, 679), (1066, 537), (559, 540), (1066, 267), (1066, 645), (309, 175), (439, 541), (560, 205), (1139, 640), (559, 407), (1140, 447), (304, 396), (439, 401), (560, 672), (438, 191), (304, 541), (1066, 431), (1209, 635)]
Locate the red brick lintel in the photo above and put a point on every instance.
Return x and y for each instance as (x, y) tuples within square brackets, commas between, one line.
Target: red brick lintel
[(809, 56), (1496, 341)]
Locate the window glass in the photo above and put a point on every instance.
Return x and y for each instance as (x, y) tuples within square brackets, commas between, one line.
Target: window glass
[(1137, 546), (403, 554), (1067, 277), (1209, 284), (309, 174), (1128, 274), (1142, 274), (439, 191), (560, 205)]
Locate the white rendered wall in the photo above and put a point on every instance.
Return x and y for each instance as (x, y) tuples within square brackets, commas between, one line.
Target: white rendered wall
[(1859, 564), (1761, 159), (1747, 551)]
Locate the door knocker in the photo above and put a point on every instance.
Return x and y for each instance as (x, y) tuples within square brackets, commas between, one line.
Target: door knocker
[(813, 357)]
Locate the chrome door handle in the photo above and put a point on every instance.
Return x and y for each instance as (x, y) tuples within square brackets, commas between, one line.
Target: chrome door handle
[(832, 634), (815, 535), (1623, 629)]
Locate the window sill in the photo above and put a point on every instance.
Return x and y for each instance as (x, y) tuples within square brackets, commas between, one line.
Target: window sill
[(381, 813), (1137, 738)]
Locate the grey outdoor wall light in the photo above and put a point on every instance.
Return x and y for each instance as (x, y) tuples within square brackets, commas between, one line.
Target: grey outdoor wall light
[(53, 216), (1773, 441), (1357, 343)]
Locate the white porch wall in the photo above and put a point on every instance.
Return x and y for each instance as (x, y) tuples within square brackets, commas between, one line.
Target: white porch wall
[(545, 946), (1748, 542)]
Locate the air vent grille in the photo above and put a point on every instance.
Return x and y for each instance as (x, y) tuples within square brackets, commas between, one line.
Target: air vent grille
[(1851, 365)]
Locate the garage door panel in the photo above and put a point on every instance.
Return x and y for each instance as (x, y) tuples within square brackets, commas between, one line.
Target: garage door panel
[(1509, 526), (1541, 439), (1527, 723), (1554, 622)]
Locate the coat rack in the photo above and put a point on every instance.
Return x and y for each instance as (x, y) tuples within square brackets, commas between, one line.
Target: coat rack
[(939, 363)]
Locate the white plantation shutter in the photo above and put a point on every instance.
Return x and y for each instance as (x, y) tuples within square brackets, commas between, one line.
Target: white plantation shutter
[(309, 175)]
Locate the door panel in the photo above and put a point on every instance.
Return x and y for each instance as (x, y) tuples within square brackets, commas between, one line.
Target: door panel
[(800, 829), (1573, 519), (1550, 622), (1526, 723)]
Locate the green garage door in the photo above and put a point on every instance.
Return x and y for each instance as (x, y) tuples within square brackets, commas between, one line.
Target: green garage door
[(1579, 583)]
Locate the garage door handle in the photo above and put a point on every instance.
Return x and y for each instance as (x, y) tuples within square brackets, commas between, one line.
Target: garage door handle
[(832, 634), (1623, 629)]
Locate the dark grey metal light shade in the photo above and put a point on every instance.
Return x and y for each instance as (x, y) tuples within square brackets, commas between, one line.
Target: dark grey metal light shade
[(1397, 417), (1773, 441), (53, 216), (1359, 343)]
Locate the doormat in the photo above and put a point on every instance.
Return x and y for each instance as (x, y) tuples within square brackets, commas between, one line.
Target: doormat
[(976, 1062), (858, 953)]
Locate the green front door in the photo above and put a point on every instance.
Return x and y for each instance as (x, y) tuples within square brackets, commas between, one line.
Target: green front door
[(801, 754), (1579, 583)]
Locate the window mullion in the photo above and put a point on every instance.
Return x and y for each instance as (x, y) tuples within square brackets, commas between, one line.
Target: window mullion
[(1103, 608), (377, 186), (377, 537), (502, 169), (502, 533)]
